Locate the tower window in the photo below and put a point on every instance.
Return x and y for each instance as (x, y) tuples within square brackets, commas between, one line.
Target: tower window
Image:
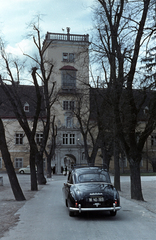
[(69, 139), (68, 105), (68, 57), (65, 57), (65, 105), (71, 57), (68, 77), (65, 138)]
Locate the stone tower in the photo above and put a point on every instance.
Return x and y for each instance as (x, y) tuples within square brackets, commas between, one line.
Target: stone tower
[(69, 55)]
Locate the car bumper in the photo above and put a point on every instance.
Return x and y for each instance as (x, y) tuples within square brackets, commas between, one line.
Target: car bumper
[(79, 209)]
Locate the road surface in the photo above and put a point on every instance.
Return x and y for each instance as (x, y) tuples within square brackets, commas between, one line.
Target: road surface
[(45, 217)]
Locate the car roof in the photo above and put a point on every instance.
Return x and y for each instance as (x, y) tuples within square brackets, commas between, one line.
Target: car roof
[(85, 169)]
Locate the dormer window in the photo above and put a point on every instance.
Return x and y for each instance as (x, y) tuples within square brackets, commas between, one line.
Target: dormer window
[(146, 110), (26, 107)]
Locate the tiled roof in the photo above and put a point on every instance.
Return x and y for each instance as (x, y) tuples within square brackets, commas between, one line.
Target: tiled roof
[(99, 100), (26, 93)]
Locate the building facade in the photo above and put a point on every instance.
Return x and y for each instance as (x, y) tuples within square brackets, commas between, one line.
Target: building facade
[(16, 139), (69, 54)]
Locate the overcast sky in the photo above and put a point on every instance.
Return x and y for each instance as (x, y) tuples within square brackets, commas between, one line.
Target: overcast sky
[(58, 14)]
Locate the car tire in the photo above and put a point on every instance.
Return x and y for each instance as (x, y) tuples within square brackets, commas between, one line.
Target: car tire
[(71, 214), (112, 213), (21, 172)]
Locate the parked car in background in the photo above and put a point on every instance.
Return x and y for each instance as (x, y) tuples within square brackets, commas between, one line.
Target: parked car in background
[(90, 189), (24, 170)]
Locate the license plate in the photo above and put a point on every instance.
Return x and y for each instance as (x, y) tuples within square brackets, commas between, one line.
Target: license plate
[(96, 199)]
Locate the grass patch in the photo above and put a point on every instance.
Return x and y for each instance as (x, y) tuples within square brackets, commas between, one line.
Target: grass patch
[(142, 174), (148, 174)]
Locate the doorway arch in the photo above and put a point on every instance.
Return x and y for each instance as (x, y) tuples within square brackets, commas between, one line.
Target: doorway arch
[(69, 160)]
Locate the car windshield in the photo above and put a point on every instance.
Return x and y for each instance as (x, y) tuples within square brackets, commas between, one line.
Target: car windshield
[(92, 177)]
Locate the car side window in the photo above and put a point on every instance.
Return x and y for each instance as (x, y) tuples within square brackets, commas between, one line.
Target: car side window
[(68, 176), (70, 179)]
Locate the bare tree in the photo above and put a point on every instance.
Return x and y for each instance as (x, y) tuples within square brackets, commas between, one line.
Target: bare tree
[(101, 112), (86, 125), (17, 191), (51, 147), (123, 30), (44, 96)]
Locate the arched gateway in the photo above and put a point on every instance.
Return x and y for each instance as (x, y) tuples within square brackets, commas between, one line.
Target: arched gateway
[(65, 157), (69, 160)]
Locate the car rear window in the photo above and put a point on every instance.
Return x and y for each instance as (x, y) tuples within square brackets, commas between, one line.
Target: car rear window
[(92, 177)]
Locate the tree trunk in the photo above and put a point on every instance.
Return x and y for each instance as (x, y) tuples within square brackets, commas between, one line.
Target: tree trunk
[(34, 186), (116, 167), (136, 190), (106, 157), (40, 170), (49, 170), (154, 165), (17, 191)]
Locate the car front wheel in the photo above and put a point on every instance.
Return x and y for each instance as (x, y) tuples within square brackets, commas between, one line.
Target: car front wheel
[(22, 172), (71, 214), (112, 213)]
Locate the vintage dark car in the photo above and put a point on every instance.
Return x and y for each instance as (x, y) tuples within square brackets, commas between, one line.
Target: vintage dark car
[(90, 189)]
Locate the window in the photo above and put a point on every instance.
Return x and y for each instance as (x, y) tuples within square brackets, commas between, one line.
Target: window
[(68, 105), (68, 57), (69, 139), (26, 107), (68, 79), (65, 105), (65, 138), (71, 57), (65, 57), (72, 138), (123, 162), (18, 162), (0, 162), (92, 177), (39, 137), (71, 105), (19, 138), (142, 163), (153, 140), (68, 75)]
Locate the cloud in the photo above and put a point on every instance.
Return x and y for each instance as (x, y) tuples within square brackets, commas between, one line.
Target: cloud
[(26, 46), (16, 14)]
